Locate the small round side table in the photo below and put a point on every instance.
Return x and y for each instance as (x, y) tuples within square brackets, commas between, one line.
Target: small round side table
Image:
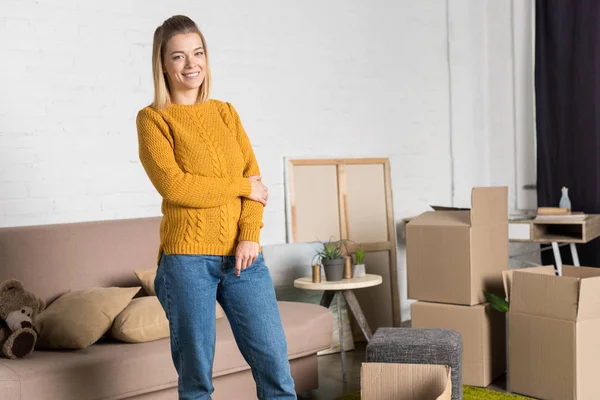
[(345, 288)]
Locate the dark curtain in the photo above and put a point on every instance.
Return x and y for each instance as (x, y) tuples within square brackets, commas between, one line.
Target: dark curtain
[(567, 90)]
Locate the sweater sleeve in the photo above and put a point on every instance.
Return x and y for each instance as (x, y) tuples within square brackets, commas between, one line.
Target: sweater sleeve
[(175, 185), (251, 218)]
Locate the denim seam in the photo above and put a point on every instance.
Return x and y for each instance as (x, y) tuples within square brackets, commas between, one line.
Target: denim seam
[(248, 351), (173, 331)]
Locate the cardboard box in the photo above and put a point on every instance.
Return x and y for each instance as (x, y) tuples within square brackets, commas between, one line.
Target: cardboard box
[(483, 332), (554, 331), (453, 255), (388, 381)]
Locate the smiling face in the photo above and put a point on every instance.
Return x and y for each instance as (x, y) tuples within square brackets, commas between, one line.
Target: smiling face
[(184, 63)]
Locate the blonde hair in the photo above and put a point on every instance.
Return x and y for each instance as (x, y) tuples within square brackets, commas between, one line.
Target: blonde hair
[(175, 25)]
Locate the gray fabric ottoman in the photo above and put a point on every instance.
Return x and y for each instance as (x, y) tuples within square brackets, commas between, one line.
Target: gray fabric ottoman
[(419, 346)]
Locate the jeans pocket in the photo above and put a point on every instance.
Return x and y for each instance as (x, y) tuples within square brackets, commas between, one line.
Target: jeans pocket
[(258, 263)]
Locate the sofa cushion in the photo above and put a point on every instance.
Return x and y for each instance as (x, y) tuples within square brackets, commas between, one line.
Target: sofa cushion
[(10, 387), (77, 319), (119, 370), (143, 320), (146, 278), (307, 329)]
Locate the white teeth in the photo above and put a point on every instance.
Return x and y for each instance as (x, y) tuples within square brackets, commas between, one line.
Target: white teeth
[(195, 74)]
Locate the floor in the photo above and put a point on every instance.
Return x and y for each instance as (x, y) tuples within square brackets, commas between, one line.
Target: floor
[(330, 375)]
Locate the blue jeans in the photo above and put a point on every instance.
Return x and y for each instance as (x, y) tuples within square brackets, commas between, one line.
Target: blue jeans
[(187, 287)]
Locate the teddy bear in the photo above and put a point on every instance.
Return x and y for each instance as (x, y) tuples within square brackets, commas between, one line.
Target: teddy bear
[(17, 309)]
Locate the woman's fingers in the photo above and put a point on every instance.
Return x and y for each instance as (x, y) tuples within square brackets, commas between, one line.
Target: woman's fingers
[(238, 265), (246, 253)]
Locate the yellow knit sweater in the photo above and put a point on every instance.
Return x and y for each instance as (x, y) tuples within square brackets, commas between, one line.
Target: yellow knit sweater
[(198, 157)]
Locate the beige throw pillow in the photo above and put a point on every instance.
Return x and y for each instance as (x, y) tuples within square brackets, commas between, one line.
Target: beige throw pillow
[(142, 320), (77, 319), (146, 278)]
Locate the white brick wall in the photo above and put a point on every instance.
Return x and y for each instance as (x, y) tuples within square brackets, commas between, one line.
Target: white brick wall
[(309, 78), (312, 78)]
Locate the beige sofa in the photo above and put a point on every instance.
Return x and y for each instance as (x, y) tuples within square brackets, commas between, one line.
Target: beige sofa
[(53, 259)]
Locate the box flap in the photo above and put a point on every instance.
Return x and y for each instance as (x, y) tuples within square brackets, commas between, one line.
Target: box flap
[(544, 295), (588, 354), (387, 381), (589, 299), (489, 205), (507, 276), (507, 280), (580, 272), (442, 218), (447, 393)]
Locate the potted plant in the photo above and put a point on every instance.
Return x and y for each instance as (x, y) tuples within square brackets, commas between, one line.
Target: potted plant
[(333, 259), (358, 269)]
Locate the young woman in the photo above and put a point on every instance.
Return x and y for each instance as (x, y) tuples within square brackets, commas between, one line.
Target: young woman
[(198, 157)]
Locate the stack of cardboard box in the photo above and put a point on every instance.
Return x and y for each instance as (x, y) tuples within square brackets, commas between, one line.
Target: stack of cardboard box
[(453, 256)]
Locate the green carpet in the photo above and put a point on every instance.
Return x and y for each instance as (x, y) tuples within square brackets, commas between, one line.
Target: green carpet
[(476, 393), (470, 393)]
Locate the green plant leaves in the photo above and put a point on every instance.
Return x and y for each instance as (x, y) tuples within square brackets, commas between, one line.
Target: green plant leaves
[(497, 302), (360, 254), (332, 250)]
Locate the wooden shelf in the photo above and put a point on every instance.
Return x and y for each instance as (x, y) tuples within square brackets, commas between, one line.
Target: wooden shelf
[(563, 231)]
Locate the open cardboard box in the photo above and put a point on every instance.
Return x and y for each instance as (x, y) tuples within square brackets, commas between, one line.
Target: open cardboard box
[(554, 331), (452, 255), (389, 381)]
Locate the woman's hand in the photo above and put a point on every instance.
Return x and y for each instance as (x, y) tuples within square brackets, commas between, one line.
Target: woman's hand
[(260, 192), (245, 254)]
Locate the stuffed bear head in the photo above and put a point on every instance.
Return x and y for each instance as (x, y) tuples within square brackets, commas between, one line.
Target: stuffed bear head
[(18, 306)]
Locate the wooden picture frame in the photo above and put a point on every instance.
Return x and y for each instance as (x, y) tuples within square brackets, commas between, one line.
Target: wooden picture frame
[(335, 198)]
